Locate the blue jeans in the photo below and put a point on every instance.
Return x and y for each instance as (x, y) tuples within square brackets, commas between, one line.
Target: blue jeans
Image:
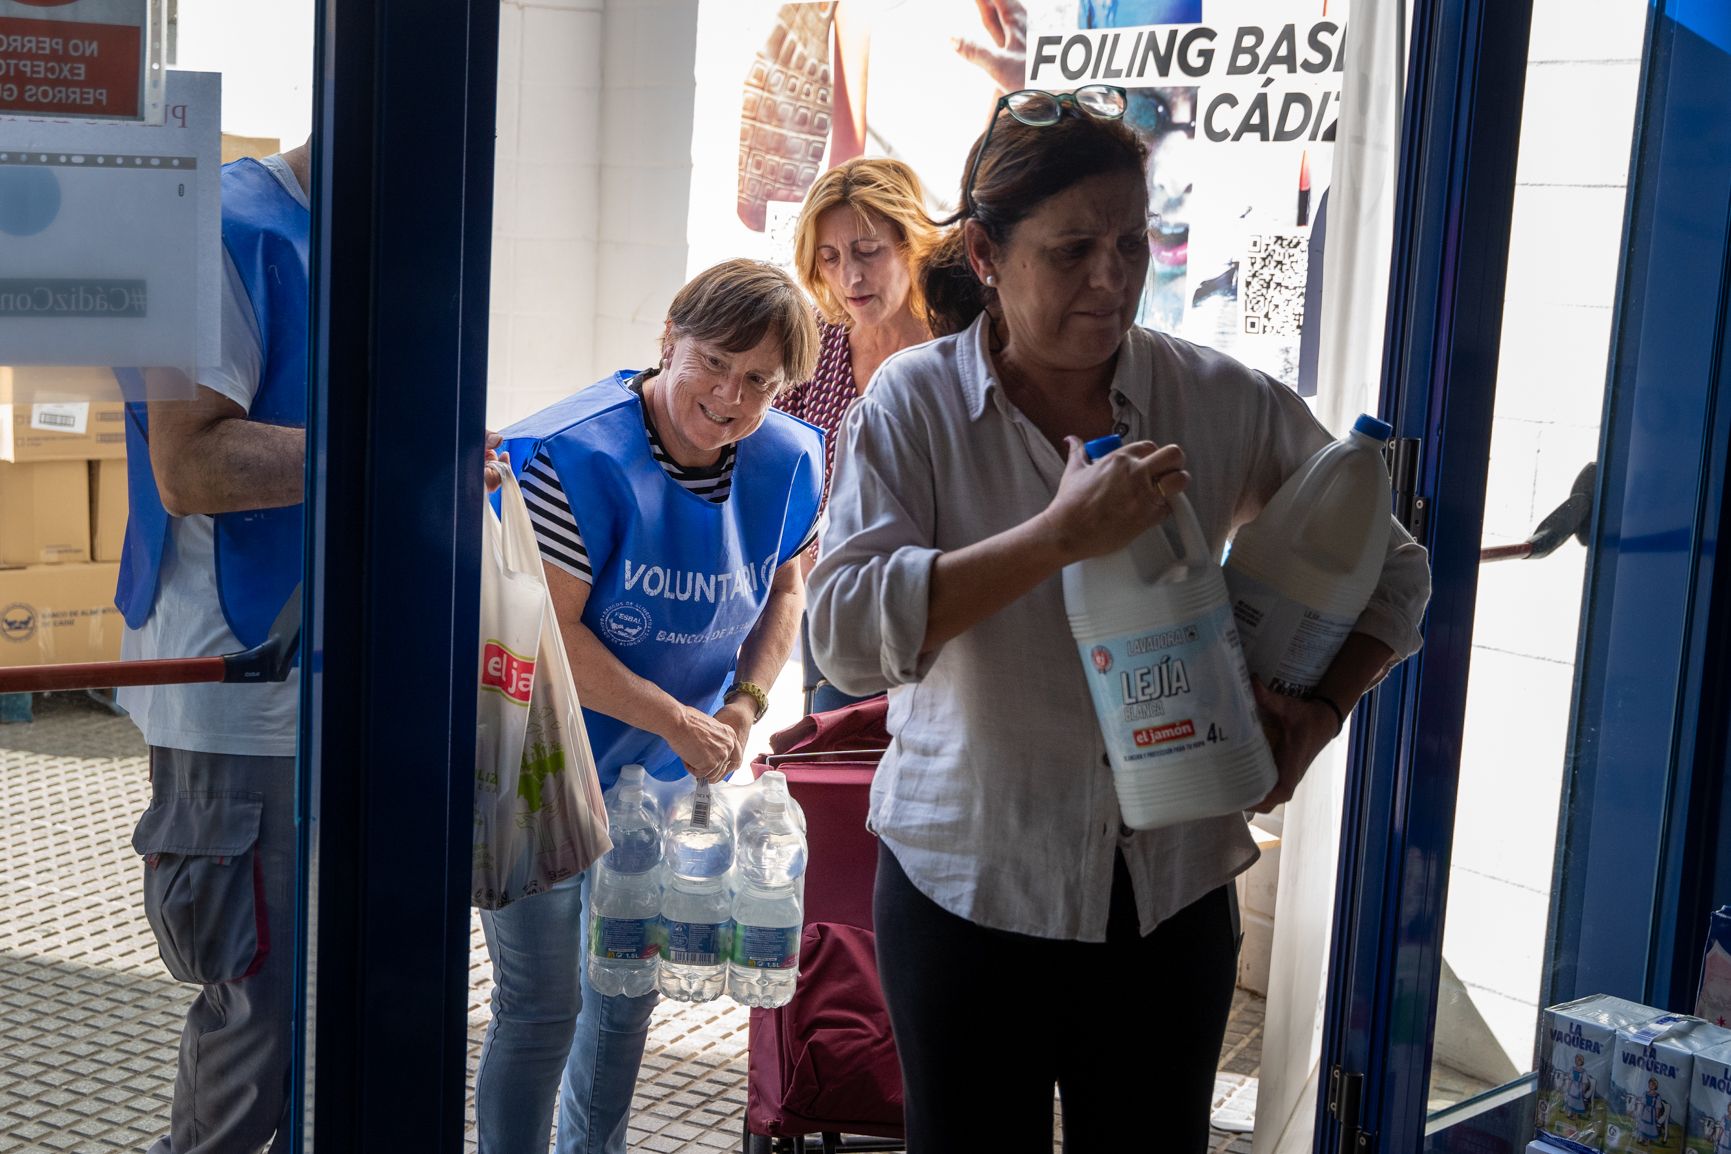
[(547, 1019)]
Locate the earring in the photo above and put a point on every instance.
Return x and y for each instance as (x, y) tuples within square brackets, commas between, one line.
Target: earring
[(991, 280)]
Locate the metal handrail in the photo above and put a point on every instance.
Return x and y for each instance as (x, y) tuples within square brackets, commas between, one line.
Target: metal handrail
[(269, 661), (775, 759)]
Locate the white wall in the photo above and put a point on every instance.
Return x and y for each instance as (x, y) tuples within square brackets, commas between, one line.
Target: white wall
[(264, 50), (591, 191)]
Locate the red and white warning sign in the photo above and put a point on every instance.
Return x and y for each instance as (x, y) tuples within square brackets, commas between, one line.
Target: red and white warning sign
[(73, 58)]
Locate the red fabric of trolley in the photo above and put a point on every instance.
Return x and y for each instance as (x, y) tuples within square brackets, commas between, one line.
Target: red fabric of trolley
[(827, 1060)]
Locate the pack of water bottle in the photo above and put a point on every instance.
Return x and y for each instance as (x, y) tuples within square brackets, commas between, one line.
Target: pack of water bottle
[(700, 900)]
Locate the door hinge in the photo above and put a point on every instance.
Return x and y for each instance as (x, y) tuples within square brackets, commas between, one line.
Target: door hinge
[(1345, 1101), (1410, 508)]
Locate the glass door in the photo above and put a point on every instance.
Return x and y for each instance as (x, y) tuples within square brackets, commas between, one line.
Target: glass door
[(150, 864), (1564, 242), (243, 273), (1534, 798)]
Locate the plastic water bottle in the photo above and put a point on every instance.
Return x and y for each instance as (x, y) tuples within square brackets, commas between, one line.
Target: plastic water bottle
[(696, 908), (1167, 675), (769, 912), (625, 893), (1303, 571)]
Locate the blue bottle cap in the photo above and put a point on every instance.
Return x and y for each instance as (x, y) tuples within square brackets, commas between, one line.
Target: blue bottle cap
[(1373, 428), (1100, 446)]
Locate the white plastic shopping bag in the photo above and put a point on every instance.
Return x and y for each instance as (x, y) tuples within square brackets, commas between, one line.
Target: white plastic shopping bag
[(539, 817)]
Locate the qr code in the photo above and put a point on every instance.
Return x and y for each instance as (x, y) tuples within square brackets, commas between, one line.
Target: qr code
[(1273, 292)]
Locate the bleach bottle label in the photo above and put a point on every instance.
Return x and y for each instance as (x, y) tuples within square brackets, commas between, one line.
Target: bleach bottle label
[(1293, 642), (1171, 691)]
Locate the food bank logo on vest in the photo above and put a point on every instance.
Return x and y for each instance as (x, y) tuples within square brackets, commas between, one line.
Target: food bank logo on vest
[(504, 672), (690, 585), (626, 623)]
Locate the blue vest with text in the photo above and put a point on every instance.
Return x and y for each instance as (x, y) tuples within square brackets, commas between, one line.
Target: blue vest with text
[(258, 553), (679, 581)]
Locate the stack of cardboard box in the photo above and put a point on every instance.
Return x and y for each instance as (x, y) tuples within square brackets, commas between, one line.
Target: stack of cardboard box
[(62, 517)]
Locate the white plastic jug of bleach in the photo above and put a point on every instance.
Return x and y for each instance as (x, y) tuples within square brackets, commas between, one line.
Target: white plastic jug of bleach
[(1168, 676), (1303, 571)]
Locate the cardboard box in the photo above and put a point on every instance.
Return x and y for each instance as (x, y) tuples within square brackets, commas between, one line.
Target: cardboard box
[(234, 146), (1654, 1070), (1577, 1054), (107, 509), (27, 384), (56, 614), (44, 513), (62, 431)]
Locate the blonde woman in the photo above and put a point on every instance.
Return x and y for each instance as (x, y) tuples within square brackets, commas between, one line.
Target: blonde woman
[(862, 235)]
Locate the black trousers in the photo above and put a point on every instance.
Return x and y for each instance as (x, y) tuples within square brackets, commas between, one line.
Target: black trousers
[(987, 1021)]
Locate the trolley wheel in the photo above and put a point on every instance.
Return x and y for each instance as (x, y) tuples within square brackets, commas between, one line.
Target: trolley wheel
[(753, 1143)]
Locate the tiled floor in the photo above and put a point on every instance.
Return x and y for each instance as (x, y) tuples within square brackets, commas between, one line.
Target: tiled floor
[(89, 1021)]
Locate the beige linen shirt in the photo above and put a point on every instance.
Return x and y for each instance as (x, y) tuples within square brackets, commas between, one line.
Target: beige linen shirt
[(995, 795)]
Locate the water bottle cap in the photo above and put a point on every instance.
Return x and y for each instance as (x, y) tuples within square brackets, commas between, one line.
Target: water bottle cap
[(632, 773), (1100, 446), (1373, 428), (774, 784)]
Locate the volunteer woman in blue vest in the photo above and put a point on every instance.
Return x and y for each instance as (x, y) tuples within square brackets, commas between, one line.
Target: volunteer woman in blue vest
[(671, 506), (1024, 936)]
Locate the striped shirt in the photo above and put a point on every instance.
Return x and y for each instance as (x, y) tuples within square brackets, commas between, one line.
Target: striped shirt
[(556, 524)]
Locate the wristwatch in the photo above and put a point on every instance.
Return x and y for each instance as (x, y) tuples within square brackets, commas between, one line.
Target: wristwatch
[(759, 699)]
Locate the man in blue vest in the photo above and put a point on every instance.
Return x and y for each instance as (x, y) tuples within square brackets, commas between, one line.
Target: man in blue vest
[(671, 507), (212, 554)]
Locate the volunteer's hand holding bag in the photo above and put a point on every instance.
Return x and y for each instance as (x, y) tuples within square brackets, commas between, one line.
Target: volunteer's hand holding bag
[(539, 817)]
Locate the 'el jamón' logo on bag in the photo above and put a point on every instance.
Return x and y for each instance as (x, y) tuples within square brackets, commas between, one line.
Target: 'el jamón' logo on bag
[(504, 672)]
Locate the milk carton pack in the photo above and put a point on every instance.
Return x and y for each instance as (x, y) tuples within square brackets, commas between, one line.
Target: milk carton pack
[(1651, 1082), (1575, 1056), (1709, 1130)]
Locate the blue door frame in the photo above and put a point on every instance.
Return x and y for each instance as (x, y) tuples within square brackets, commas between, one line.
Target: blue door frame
[(1645, 790), (403, 174), (1460, 135)]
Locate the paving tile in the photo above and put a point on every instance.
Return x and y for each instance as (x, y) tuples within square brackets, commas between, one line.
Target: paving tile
[(29, 1131), (90, 1022)]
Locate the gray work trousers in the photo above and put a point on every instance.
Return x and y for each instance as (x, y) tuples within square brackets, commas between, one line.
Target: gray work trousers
[(218, 844)]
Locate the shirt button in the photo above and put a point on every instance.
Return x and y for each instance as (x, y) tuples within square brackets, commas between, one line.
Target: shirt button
[(1121, 428), (1124, 830), (1106, 760)]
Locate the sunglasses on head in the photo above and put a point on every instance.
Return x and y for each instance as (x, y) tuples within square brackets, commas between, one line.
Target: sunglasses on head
[(1038, 109)]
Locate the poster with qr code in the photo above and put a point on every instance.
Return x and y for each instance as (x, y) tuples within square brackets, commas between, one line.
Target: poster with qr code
[(1237, 102), (111, 237)]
